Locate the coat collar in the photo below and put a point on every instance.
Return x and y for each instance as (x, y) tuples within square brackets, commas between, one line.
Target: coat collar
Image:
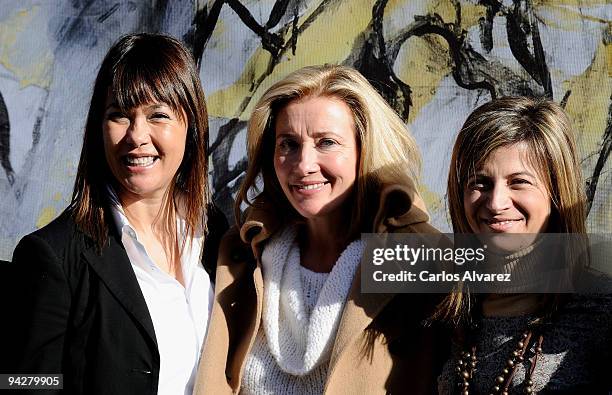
[(399, 206), (114, 269)]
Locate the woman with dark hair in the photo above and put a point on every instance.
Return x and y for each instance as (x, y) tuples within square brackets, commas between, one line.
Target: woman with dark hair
[(115, 295), (514, 175)]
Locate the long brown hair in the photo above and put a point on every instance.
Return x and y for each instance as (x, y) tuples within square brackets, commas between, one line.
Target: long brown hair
[(139, 69), (546, 130)]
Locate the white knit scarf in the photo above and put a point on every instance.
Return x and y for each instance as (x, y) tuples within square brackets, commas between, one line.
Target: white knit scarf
[(300, 343)]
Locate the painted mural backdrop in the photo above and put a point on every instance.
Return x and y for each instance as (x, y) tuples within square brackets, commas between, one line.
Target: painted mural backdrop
[(433, 61)]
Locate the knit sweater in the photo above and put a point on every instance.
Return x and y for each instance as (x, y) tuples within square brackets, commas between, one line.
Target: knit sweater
[(262, 375), (301, 314), (576, 351)]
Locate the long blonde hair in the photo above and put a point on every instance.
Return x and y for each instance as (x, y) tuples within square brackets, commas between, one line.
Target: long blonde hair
[(388, 152)]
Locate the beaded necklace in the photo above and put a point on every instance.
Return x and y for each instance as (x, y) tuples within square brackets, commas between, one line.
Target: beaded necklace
[(528, 347), (467, 362)]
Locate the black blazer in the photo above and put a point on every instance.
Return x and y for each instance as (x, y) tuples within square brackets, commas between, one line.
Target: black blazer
[(83, 314)]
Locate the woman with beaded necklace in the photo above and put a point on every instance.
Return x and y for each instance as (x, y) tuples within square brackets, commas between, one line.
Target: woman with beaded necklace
[(514, 169)]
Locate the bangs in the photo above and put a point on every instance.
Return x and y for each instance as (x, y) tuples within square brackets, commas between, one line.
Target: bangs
[(144, 80), (537, 156)]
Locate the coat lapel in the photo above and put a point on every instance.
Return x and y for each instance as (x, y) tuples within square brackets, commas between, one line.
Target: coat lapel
[(399, 206), (358, 314), (114, 268)]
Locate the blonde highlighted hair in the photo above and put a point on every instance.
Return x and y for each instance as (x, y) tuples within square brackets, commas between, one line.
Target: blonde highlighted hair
[(388, 154), (546, 131)]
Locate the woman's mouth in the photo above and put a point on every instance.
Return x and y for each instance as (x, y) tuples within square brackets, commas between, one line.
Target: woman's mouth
[(309, 188), (139, 161), (501, 225)]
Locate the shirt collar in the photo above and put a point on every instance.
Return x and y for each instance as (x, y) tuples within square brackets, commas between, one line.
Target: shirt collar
[(119, 218)]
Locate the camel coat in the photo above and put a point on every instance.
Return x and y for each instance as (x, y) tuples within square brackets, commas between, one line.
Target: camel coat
[(381, 346)]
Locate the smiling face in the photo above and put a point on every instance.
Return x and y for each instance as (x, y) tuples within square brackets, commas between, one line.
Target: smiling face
[(506, 195), (144, 148), (316, 155)]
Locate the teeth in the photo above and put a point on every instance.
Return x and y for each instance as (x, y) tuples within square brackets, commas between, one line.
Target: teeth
[(502, 222), (140, 161), (311, 186)]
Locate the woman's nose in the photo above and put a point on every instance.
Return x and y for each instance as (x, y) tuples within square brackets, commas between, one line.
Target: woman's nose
[(307, 160), (498, 198), (137, 133)]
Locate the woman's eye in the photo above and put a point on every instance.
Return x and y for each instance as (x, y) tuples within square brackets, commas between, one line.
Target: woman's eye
[(160, 115), (116, 116), (520, 181), (325, 143), (478, 185), (287, 145)]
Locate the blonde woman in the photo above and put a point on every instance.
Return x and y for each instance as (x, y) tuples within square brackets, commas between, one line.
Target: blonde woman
[(333, 160), (514, 169)]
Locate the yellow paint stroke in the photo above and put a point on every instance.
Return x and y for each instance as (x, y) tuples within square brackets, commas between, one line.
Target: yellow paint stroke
[(218, 32), (609, 58), (470, 13), (576, 3), (57, 197), (588, 108), (600, 217), (566, 18), (46, 216), (433, 201), (16, 49), (422, 63), (589, 101), (325, 41)]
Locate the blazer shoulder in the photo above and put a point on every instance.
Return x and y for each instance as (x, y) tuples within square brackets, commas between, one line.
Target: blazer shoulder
[(61, 236), (59, 230)]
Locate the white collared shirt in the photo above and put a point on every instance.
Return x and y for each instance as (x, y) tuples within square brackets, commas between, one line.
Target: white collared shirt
[(179, 314)]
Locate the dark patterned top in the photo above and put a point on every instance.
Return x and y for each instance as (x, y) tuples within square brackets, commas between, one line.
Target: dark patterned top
[(576, 358)]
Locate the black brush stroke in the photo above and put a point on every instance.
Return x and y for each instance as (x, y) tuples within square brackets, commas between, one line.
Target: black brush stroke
[(463, 56), (222, 174), (278, 11), (604, 154), (269, 41), (566, 96), (5, 142), (521, 26), (274, 60), (202, 28), (154, 16), (108, 13), (540, 58), (486, 24), (376, 65)]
